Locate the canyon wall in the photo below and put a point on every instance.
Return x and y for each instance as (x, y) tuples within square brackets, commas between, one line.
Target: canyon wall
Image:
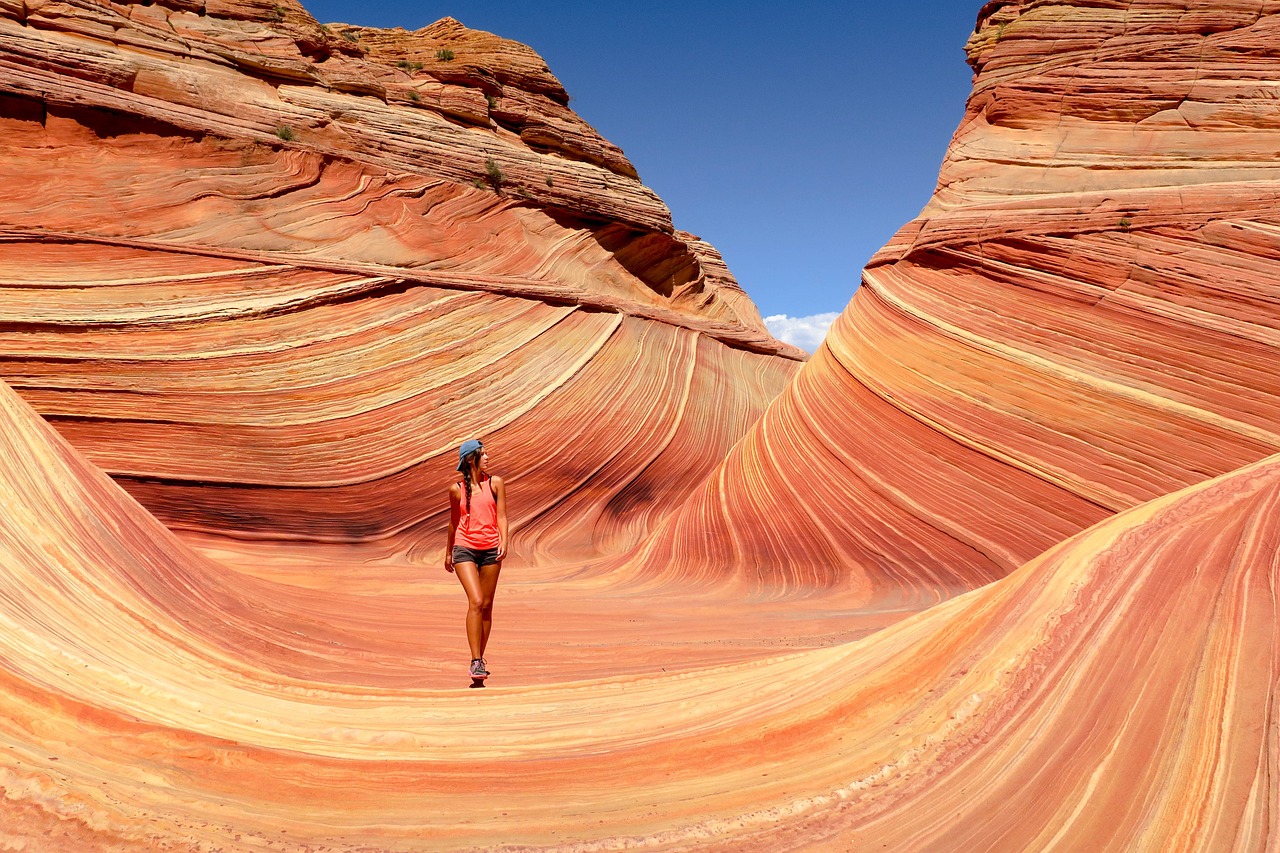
[(269, 273), (1083, 318)]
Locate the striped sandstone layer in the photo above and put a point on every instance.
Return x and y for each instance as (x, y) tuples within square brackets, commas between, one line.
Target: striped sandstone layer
[(1083, 318), (1067, 413), (1116, 693), (269, 273)]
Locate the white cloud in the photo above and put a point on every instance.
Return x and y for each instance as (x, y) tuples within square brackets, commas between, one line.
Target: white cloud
[(804, 332)]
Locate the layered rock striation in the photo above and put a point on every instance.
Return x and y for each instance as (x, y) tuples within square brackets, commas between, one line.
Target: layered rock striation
[(268, 273), (246, 272), (1083, 318), (1113, 694)]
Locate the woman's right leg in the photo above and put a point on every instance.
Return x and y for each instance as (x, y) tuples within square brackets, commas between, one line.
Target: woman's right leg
[(469, 575)]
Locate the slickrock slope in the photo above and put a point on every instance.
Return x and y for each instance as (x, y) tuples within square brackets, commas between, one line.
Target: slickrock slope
[(1115, 694), (1085, 316), (269, 273)]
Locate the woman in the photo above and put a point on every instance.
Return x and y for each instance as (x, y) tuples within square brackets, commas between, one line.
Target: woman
[(477, 544)]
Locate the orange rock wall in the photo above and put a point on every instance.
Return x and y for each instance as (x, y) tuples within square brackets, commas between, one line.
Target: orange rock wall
[(269, 274), (1083, 318)]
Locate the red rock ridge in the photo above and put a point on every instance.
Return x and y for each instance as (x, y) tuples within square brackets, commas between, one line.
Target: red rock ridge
[(269, 273), (1083, 318)]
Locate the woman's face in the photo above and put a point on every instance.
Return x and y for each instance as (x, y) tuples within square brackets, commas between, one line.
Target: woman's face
[(481, 460)]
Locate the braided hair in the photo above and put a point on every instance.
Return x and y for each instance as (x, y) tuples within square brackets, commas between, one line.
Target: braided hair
[(466, 475)]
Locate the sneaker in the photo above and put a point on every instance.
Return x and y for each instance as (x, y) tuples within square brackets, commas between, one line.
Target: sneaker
[(478, 671)]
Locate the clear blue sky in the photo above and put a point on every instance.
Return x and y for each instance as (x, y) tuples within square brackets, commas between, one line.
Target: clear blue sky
[(795, 137)]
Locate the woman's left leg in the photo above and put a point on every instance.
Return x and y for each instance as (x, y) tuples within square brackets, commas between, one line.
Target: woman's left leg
[(488, 588), (469, 576)]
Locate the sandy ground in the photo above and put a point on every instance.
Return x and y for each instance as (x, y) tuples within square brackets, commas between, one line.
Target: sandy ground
[(393, 623)]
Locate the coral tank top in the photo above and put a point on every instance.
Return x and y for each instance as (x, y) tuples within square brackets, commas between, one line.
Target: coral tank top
[(478, 529)]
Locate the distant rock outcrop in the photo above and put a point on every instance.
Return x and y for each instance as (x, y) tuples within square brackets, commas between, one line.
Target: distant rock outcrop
[(269, 273), (1084, 317)]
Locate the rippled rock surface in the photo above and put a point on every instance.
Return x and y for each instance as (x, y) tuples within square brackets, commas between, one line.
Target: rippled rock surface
[(1133, 664), (1083, 318), (262, 274), (269, 273)]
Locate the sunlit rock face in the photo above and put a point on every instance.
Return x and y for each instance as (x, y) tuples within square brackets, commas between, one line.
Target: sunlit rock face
[(1083, 318), (269, 273)]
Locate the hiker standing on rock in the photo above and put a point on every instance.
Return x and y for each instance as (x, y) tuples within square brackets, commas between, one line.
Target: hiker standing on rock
[(477, 545)]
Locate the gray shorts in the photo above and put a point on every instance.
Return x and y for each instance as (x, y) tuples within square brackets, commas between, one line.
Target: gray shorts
[(479, 556)]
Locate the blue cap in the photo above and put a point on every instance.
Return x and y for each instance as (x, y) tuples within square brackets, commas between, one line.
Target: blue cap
[(468, 447)]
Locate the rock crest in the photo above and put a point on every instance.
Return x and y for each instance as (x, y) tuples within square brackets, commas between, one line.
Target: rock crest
[(336, 252)]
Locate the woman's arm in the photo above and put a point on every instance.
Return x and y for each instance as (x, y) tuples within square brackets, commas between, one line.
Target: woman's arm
[(455, 513), (500, 495)]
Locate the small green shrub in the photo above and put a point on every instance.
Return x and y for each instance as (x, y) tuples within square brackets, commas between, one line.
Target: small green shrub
[(409, 66), (491, 101), (414, 96), (351, 36), (1125, 222), (277, 13), (550, 182), (493, 174), (284, 133), (478, 184), (444, 54)]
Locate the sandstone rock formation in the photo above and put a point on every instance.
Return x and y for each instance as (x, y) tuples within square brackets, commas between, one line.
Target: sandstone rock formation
[(246, 273), (269, 273), (1083, 318), (1116, 693)]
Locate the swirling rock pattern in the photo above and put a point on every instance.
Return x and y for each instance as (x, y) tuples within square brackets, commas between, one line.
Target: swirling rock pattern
[(269, 273), (1115, 694), (1083, 318), (259, 288)]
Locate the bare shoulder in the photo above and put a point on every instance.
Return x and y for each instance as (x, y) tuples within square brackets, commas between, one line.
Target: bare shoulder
[(455, 491), (496, 481)]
